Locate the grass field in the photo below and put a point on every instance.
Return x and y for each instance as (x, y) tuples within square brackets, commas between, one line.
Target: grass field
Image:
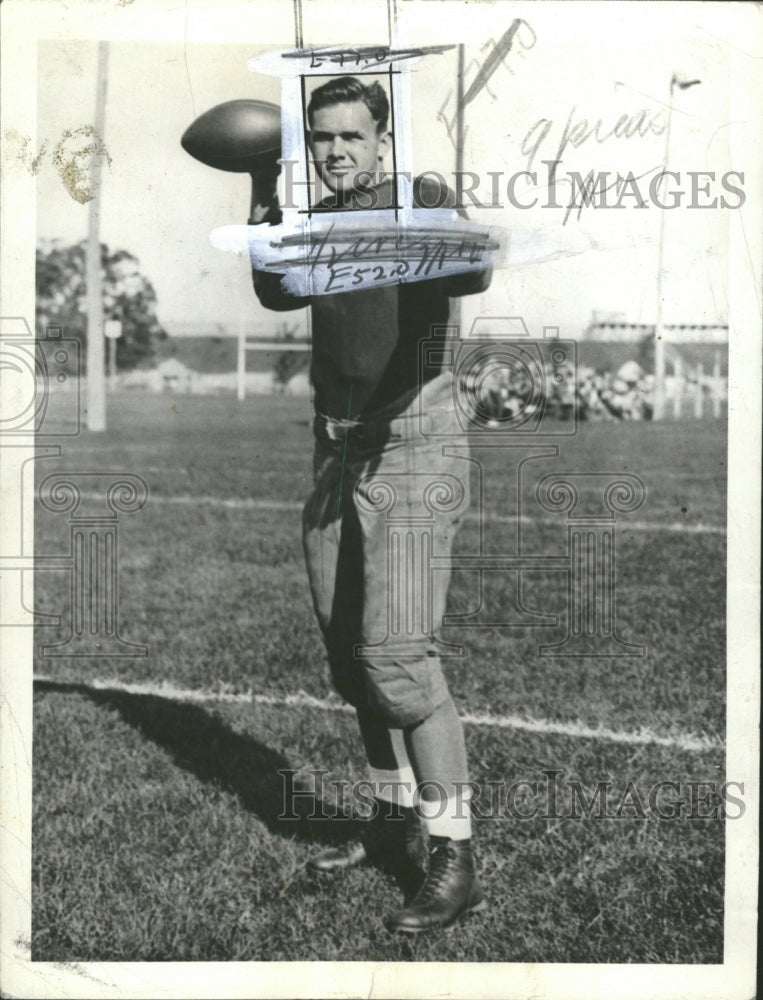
[(156, 830)]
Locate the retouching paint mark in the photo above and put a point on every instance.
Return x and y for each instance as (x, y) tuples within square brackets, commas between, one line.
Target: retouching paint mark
[(24, 154), (72, 158)]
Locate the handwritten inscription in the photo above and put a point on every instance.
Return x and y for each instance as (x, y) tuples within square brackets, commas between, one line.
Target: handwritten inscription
[(348, 276), (339, 259), (319, 258), (355, 58), (420, 243), (479, 74), (497, 56), (578, 130), (591, 191), (389, 257), (380, 55)]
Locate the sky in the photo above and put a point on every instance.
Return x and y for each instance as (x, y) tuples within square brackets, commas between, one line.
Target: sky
[(567, 64)]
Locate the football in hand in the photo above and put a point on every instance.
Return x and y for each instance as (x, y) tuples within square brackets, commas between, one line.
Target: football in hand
[(241, 136)]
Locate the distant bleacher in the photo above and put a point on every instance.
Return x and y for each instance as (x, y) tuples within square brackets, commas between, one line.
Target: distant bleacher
[(675, 333), (605, 346)]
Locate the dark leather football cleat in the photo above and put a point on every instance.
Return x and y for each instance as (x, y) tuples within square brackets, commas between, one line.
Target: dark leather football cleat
[(336, 859), (450, 890), (395, 842)]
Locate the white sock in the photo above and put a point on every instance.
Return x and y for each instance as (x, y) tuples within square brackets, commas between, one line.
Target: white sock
[(450, 817), (393, 786)]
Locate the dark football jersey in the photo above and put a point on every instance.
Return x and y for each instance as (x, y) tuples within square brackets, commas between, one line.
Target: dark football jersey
[(365, 349)]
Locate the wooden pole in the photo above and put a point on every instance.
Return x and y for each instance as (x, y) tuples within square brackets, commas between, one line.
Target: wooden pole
[(678, 381), (699, 393), (455, 304), (460, 113), (659, 330), (112, 364), (96, 388), (717, 386), (241, 364)]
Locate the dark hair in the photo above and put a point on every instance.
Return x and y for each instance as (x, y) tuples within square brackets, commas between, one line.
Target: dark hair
[(345, 90)]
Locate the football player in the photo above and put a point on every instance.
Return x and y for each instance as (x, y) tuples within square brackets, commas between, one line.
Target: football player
[(368, 399)]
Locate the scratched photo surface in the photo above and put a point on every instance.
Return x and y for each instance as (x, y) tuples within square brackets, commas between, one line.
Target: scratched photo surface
[(552, 248)]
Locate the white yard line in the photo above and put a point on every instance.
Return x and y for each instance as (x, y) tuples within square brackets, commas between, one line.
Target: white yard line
[(681, 741), (246, 503)]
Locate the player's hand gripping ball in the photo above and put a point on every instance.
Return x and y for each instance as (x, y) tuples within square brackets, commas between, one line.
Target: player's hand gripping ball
[(242, 136)]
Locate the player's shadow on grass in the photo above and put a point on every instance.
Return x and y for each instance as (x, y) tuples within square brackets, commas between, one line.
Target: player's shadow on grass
[(204, 746)]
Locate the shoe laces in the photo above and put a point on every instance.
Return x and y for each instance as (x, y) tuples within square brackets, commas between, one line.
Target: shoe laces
[(439, 857)]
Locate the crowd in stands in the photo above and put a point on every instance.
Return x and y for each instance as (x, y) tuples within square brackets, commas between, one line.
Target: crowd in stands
[(591, 395), (628, 394)]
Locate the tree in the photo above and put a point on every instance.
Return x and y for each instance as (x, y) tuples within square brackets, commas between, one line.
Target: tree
[(128, 296), (287, 363)]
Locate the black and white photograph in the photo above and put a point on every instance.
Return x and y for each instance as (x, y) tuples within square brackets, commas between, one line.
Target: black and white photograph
[(380, 551), (354, 152)]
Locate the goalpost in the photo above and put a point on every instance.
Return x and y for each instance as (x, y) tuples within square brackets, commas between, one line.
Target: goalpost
[(254, 344)]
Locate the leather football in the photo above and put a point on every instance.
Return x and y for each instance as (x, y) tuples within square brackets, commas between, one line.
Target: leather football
[(242, 136)]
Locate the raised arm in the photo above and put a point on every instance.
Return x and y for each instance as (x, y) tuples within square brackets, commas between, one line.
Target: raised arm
[(265, 210)]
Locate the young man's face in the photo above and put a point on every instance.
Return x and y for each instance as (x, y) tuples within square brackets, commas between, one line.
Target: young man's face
[(346, 145)]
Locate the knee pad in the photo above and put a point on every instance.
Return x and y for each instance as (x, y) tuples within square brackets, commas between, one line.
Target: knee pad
[(405, 690)]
